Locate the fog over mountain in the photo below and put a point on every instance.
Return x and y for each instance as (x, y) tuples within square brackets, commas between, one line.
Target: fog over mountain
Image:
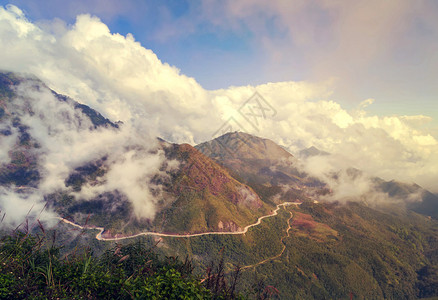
[(45, 137), (127, 82), (62, 158)]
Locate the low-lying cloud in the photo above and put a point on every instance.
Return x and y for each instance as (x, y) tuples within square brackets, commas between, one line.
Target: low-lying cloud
[(64, 139)]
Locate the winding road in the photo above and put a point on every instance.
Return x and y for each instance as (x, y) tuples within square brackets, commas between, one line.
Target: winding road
[(151, 233), (276, 256)]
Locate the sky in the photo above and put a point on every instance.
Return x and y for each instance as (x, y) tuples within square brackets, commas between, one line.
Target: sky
[(385, 50), (357, 79)]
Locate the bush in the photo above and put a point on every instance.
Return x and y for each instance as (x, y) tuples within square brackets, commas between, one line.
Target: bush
[(32, 267)]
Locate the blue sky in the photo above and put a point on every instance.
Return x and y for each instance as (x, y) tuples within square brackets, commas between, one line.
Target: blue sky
[(385, 50)]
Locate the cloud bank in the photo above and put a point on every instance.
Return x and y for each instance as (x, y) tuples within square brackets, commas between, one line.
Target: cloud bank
[(125, 81)]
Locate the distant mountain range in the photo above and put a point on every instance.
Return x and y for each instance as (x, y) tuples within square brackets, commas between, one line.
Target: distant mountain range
[(199, 196), (314, 250), (222, 184)]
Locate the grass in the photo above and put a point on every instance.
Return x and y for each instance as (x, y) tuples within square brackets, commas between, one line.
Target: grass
[(32, 266)]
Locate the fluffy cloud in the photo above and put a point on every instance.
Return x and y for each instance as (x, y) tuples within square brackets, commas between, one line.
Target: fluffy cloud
[(66, 140), (112, 73), (125, 81), (15, 207)]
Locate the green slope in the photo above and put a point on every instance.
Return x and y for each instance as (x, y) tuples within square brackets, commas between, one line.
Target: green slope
[(207, 198), (333, 251)]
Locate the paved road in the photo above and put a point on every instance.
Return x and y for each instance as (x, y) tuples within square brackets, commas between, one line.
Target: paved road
[(101, 229)]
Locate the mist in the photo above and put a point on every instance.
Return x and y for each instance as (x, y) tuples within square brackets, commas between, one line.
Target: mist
[(63, 138)]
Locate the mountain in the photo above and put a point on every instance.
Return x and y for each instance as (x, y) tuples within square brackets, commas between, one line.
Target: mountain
[(265, 166), (22, 168), (312, 151), (408, 195), (338, 251), (313, 250), (197, 196), (206, 196), (416, 198), (240, 145)]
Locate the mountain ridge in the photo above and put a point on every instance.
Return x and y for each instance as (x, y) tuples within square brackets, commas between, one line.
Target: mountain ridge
[(316, 250), (199, 195)]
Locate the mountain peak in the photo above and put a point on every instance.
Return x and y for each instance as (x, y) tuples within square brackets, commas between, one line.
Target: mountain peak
[(243, 145), (312, 151)]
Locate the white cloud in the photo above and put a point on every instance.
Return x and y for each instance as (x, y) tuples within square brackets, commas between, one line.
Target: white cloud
[(130, 173), (15, 207), (67, 140)]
